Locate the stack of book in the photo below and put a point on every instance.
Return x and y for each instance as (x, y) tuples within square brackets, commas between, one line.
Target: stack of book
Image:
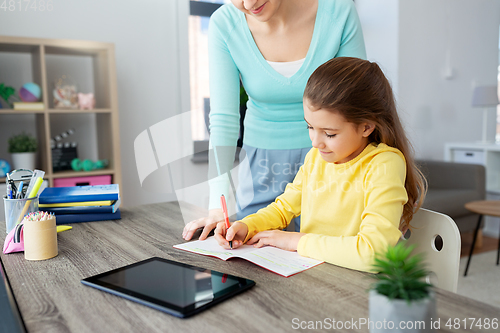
[(81, 203)]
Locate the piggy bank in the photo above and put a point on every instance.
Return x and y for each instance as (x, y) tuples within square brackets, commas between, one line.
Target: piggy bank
[(86, 101)]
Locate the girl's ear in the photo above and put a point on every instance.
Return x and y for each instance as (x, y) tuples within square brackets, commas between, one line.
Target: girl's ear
[(368, 129)]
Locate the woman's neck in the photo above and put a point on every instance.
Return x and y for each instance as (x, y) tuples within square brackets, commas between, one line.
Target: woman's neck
[(287, 34), (289, 12)]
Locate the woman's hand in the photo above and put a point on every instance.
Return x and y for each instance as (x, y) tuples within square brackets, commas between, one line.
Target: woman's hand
[(236, 233), (207, 223), (285, 240)]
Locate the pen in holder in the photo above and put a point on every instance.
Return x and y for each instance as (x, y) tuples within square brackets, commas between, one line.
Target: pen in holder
[(40, 236), (15, 209)]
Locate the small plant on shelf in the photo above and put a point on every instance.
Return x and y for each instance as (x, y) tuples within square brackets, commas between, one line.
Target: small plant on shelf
[(22, 143)]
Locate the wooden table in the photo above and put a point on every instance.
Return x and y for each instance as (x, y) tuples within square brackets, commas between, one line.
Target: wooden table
[(52, 299), (482, 207)]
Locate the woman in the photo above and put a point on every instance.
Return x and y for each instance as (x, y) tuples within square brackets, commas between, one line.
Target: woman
[(273, 46)]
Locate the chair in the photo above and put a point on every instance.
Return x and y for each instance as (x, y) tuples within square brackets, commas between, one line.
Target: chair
[(436, 236)]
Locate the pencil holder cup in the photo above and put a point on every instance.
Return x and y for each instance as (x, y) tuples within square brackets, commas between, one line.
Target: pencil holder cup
[(40, 239), (16, 209)]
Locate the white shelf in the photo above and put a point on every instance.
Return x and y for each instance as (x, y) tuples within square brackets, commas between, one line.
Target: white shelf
[(487, 154)]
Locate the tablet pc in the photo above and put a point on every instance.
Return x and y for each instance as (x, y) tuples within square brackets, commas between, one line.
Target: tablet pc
[(178, 289)]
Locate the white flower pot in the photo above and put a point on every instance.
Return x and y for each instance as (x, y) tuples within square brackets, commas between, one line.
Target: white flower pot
[(23, 160), (398, 316)]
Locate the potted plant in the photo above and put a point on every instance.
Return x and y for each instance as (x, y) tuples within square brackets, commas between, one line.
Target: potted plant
[(399, 295), (22, 148)]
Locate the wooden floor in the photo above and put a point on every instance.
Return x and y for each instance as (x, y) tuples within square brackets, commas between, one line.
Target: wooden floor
[(489, 244)]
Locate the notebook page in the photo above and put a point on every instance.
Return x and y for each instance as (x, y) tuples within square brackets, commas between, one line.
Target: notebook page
[(285, 263), (280, 261), (210, 247)]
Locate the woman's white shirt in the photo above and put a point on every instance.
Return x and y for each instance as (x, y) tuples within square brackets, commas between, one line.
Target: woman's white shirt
[(288, 68)]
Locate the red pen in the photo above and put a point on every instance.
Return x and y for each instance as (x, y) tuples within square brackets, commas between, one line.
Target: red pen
[(226, 217)]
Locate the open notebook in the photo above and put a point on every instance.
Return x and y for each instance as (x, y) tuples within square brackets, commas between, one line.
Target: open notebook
[(284, 263)]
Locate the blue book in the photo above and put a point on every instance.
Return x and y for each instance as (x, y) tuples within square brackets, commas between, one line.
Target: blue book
[(74, 218), (51, 195), (84, 209)]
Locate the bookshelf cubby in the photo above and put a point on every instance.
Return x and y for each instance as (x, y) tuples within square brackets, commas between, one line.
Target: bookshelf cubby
[(91, 66)]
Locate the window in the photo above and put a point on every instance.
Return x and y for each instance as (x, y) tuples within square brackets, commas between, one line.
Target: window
[(200, 12)]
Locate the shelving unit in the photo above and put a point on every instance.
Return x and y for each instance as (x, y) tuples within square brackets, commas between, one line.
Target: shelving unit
[(92, 66)]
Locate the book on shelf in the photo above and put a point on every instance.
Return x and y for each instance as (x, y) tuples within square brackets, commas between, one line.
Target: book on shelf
[(53, 195), (28, 106), (77, 208), (282, 262), (75, 218)]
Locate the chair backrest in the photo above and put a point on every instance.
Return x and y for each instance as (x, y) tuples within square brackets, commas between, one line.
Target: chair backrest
[(443, 264)]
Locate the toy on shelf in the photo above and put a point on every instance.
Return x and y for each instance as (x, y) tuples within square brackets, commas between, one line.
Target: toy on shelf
[(86, 101), (63, 152), (30, 92), (65, 94), (8, 95), (63, 135), (88, 165), (4, 168)]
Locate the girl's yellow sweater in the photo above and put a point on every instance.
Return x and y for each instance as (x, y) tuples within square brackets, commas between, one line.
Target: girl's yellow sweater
[(350, 211)]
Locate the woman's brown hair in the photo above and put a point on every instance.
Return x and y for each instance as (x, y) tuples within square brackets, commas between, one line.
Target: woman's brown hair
[(359, 91)]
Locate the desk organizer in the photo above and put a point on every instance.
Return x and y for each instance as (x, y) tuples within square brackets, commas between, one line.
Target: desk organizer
[(16, 209), (40, 236)]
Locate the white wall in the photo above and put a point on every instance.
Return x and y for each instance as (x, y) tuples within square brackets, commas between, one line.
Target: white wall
[(458, 37), (380, 20), (419, 43), (148, 59)]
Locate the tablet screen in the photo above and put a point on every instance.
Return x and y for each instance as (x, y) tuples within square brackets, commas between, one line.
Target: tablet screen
[(179, 289)]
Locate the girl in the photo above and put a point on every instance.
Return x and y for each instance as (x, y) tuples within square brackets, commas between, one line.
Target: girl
[(273, 46), (358, 186)]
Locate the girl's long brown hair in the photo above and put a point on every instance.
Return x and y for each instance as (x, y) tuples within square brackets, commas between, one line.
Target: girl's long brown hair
[(359, 91)]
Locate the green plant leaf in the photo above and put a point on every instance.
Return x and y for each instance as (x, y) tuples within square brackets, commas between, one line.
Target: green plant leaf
[(22, 143), (400, 275), (6, 93), (243, 96)]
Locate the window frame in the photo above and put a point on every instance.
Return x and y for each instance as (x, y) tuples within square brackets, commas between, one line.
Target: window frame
[(203, 9)]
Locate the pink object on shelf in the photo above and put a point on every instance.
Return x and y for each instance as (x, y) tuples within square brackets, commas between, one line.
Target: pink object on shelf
[(86, 101), (81, 181)]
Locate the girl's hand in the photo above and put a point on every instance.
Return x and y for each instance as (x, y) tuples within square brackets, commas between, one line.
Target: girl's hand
[(236, 233), (285, 240), (207, 223)]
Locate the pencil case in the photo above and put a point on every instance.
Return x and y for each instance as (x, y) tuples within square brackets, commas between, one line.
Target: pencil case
[(14, 242)]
